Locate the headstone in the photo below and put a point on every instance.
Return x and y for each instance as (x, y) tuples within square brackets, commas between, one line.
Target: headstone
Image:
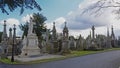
[(93, 45), (72, 43), (88, 41), (80, 43)]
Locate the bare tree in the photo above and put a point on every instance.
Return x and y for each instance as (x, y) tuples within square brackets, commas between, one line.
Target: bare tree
[(100, 6)]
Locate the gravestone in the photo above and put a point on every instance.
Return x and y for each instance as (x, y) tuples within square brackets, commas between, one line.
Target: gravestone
[(80, 43), (54, 43), (31, 42), (93, 45), (72, 42)]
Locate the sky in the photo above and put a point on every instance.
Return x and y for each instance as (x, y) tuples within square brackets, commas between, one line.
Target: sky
[(70, 11)]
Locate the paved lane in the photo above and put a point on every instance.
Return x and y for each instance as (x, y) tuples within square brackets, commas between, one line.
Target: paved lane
[(101, 60)]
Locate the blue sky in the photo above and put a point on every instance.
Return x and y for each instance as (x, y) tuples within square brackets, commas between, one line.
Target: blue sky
[(66, 10), (52, 9)]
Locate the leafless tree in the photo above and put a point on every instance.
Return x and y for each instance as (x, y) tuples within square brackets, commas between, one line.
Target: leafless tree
[(100, 6)]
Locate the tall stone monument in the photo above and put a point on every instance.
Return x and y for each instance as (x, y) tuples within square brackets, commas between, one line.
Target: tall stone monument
[(113, 42), (93, 32), (93, 43), (4, 41), (108, 41), (4, 35), (54, 46), (31, 42), (65, 40)]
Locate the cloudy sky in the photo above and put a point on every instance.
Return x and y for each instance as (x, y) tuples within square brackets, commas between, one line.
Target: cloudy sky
[(70, 11)]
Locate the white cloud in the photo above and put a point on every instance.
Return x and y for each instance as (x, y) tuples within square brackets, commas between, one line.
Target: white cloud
[(58, 23), (26, 18), (70, 12), (79, 23), (10, 21)]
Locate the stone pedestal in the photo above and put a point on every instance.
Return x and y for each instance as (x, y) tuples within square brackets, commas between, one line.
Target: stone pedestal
[(65, 48), (31, 47)]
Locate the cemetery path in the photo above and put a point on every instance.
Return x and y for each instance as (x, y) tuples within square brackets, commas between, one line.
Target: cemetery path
[(101, 60)]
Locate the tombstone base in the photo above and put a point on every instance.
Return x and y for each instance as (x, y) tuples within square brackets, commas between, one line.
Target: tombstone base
[(30, 52)]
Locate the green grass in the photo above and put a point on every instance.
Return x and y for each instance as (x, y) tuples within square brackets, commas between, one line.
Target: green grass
[(71, 55), (82, 53), (8, 61)]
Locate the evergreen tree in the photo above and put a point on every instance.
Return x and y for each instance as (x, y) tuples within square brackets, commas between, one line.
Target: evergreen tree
[(39, 26), (11, 5)]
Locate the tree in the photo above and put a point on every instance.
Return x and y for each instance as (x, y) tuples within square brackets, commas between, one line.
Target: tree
[(101, 5), (39, 26), (11, 5), (24, 28)]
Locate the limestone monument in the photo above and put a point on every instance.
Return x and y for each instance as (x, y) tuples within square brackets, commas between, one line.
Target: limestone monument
[(30, 42), (65, 40), (93, 43), (54, 40)]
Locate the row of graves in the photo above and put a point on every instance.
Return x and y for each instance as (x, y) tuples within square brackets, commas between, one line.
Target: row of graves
[(53, 42), (7, 42), (95, 42)]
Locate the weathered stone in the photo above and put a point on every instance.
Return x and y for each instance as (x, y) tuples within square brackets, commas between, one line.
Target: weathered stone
[(65, 41), (31, 42), (72, 43)]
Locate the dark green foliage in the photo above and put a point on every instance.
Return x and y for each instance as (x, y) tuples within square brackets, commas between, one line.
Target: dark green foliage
[(39, 26), (22, 4), (24, 28)]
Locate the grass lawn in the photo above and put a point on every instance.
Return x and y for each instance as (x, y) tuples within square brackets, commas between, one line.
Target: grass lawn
[(71, 55), (8, 61)]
